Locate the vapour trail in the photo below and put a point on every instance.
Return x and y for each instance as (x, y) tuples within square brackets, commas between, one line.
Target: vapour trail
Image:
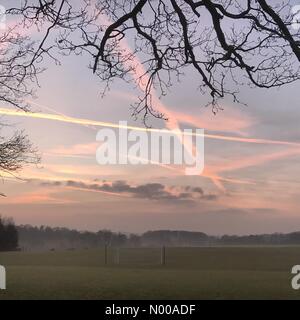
[(96, 123)]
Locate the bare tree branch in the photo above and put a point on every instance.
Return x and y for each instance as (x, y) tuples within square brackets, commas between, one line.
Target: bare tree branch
[(227, 42)]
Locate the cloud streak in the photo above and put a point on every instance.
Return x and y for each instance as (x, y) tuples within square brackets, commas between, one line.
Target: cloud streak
[(80, 121), (147, 191)]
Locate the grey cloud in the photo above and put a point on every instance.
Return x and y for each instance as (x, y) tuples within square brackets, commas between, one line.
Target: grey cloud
[(150, 191), (52, 184)]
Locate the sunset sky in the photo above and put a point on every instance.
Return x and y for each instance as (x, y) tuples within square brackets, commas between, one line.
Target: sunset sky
[(250, 183)]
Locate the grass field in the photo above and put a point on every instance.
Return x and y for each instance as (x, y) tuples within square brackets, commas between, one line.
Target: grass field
[(189, 273)]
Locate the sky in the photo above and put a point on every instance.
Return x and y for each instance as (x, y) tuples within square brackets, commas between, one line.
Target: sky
[(250, 182)]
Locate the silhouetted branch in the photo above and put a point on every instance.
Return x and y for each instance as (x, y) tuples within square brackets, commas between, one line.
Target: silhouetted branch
[(227, 42), (15, 152)]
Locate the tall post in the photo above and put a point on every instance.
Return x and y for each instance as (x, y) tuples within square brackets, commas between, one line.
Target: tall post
[(163, 256), (105, 255), (117, 256)]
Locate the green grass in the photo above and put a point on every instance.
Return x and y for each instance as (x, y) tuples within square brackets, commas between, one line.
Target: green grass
[(190, 273)]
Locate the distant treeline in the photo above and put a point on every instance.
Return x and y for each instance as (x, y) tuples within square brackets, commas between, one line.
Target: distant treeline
[(8, 235), (46, 238)]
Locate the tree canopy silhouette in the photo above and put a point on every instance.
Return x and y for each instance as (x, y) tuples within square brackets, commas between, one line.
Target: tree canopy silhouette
[(226, 42), (8, 235), (15, 152), (16, 77)]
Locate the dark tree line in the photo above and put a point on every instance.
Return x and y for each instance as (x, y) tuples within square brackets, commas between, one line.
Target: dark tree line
[(8, 235), (63, 238), (46, 238)]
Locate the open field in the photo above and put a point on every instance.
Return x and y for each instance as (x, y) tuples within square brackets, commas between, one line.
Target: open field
[(189, 273)]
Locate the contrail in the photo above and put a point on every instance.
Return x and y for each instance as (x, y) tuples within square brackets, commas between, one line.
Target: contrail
[(54, 111), (80, 121), (96, 123)]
